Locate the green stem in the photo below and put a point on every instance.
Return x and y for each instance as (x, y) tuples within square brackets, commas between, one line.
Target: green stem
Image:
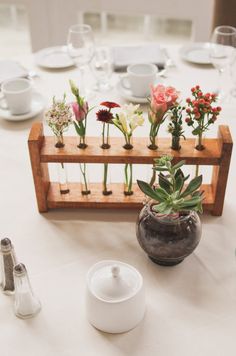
[(153, 134), (131, 178), (128, 178), (103, 133), (153, 178), (83, 172), (105, 171), (108, 128), (196, 170)]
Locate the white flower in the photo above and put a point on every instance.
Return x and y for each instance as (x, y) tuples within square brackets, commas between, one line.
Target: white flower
[(130, 117), (135, 121), (59, 116)]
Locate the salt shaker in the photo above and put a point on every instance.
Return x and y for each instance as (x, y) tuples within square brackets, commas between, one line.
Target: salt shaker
[(8, 260), (26, 304)]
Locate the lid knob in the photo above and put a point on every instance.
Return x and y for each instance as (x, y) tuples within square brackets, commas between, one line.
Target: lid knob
[(115, 270)]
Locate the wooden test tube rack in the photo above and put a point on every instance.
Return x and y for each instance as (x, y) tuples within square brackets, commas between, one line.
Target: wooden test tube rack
[(42, 151)]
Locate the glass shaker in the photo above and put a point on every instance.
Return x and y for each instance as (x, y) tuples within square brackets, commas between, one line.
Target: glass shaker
[(26, 303), (8, 260)]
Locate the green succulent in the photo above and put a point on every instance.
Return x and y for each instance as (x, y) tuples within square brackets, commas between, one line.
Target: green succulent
[(171, 193)]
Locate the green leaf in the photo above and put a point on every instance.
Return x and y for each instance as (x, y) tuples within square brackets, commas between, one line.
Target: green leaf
[(162, 208), (78, 129), (160, 169), (196, 131), (179, 172), (191, 202), (162, 193), (179, 182), (165, 184), (82, 128), (146, 189), (178, 165), (193, 185)]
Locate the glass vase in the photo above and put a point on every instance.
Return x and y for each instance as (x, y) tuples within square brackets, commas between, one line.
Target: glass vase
[(128, 143), (82, 142), (128, 172), (168, 238), (175, 143), (105, 139), (152, 143), (59, 141), (200, 142), (62, 178), (84, 179), (106, 180)]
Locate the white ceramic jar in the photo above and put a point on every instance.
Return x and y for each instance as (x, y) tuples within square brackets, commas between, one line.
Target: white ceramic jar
[(115, 299)]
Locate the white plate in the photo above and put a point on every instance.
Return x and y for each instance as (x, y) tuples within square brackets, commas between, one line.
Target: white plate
[(198, 53), (38, 105), (127, 94), (54, 58)]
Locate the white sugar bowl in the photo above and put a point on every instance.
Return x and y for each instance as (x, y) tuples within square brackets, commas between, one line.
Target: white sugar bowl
[(115, 299)]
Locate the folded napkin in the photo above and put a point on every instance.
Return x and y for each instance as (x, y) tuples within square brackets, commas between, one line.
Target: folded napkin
[(10, 70), (126, 55)]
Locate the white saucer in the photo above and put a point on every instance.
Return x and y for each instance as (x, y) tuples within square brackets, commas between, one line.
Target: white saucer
[(54, 58), (38, 104), (198, 53), (127, 94)]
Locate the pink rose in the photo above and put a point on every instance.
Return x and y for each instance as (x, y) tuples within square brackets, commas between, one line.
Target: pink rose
[(162, 98), (171, 95), (158, 103), (80, 112)]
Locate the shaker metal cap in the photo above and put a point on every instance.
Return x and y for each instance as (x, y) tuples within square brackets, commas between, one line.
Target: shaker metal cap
[(19, 269), (6, 244), (114, 281)]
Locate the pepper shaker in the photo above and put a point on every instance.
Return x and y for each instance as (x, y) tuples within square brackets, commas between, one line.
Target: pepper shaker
[(8, 260), (26, 304)]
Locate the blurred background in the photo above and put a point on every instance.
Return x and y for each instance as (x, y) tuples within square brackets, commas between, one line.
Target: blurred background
[(29, 25)]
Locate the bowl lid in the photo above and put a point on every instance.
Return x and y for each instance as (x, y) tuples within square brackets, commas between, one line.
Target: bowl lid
[(114, 281)]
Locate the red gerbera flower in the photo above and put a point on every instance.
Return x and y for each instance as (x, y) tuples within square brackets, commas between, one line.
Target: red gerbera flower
[(110, 104), (104, 116)]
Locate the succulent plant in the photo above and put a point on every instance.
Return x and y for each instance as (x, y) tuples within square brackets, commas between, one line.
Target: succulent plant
[(171, 193)]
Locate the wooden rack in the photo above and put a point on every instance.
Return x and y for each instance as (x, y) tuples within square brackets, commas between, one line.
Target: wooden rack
[(42, 151)]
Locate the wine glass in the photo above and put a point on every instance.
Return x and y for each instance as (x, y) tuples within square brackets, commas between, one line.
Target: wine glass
[(233, 75), (80, 47), (102, 68), (223, 43)]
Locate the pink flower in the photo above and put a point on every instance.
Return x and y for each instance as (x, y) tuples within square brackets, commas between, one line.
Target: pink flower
[(80, 112), (172, 95), (162, 99)]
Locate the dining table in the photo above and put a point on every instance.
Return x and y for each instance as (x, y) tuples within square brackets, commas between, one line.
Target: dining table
[(190, 308)]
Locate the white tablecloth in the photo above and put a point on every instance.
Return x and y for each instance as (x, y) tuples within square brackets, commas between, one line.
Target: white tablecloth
[(191, 308)]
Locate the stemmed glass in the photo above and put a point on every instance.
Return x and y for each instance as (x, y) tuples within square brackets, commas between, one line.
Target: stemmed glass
[(223, 43), (102, 68), (81, 47)]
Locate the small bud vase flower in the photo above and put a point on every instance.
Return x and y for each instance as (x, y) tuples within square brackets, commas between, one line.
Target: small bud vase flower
[(161, 100), (59, 118), (80, 109), (105, 116), (175, 126), (200, 113), (127, 121)]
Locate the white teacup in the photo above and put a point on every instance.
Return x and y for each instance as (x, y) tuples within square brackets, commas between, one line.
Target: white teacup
[(139, 78), (17, 96)]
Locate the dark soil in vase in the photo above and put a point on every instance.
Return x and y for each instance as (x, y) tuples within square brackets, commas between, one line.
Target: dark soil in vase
[(168, 239)]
